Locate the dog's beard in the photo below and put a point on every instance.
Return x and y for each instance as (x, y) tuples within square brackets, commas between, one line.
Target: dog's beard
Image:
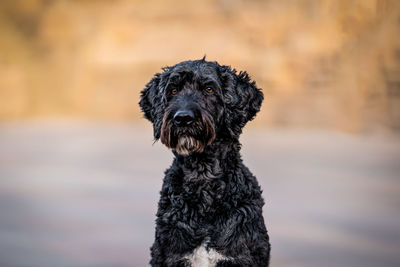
[(187, 140), (187, 145)]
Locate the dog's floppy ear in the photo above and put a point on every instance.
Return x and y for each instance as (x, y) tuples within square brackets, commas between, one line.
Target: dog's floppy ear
[(242, 99), (148, 97), (151, 103)]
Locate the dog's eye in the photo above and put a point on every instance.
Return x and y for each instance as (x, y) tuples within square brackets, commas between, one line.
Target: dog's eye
[(209, 90), (174, 91)]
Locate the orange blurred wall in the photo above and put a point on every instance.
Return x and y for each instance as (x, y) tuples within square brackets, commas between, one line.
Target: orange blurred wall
[(330, 64)]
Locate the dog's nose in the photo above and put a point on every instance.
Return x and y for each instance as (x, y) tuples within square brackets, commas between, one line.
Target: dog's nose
[(183, 118)]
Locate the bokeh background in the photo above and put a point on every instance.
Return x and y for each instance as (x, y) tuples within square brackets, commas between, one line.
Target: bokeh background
[(79, 176)]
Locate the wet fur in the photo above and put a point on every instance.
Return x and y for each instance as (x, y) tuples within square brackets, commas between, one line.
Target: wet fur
[(210, 202)]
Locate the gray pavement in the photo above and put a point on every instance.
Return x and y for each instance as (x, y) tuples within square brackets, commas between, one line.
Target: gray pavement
[(85, 194)]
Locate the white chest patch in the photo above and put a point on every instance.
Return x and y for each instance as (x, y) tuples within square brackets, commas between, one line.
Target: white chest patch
[(203, 257)]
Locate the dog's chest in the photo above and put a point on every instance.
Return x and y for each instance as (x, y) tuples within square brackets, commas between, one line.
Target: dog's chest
[(204, 257)]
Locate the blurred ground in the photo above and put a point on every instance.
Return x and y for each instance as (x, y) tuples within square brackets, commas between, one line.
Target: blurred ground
[(85, 194)]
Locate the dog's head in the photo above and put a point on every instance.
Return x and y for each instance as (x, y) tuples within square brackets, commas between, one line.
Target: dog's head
[(195, 102)]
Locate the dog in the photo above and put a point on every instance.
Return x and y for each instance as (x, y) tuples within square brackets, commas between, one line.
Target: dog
[(210, 208)]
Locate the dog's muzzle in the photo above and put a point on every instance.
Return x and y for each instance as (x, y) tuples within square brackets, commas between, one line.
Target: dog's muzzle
[(187, 130)]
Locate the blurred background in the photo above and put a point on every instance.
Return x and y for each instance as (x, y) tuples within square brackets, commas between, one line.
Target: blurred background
[(79, 176)]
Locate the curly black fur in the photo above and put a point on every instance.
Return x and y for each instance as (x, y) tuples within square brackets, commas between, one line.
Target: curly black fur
[(209, 199)]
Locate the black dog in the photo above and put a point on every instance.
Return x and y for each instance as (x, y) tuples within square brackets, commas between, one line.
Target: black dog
[(210, 210)]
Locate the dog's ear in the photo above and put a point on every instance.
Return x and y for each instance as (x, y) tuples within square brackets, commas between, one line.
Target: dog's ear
[(148, 97), (242, 99), (151, 103)]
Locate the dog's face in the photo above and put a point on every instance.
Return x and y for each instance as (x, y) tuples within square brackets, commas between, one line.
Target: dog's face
[(195, 102)]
